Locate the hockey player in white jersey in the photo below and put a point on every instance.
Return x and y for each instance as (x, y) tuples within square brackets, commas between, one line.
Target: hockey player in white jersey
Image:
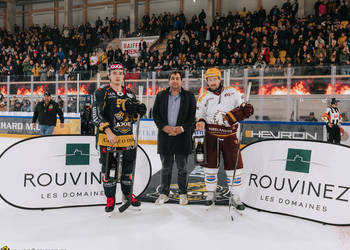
[(219, 109)]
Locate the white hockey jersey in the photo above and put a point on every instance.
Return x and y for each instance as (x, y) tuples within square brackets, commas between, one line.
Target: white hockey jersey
[(212, 108)]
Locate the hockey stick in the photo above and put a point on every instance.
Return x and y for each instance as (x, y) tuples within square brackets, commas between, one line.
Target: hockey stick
[(127, 204), (230, 205)]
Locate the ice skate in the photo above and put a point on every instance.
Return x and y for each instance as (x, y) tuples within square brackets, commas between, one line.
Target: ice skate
[(110, 205), (235, 205), (236, 202), (135, 203), (210, 200)]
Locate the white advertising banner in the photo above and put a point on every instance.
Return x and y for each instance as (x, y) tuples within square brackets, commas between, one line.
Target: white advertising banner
[(132, 45), (306, 179), (59, 171), (148, 132)]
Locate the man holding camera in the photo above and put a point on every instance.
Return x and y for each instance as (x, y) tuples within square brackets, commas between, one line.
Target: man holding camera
[(114, 111)]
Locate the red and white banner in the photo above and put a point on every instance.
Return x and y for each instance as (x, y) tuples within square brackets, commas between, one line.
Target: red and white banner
[(132, 45)]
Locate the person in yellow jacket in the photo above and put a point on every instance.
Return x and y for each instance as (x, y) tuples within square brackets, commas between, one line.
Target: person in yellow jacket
[(36, 73), (104, 60)]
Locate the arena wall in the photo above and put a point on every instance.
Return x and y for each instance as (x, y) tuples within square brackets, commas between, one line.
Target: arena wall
[(191, 7)]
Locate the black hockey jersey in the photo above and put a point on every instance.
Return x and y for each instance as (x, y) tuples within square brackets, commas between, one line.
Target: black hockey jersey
[(108, 111)]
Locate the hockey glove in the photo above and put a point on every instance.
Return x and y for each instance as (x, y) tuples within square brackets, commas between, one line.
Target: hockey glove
[(248, 110), (142, 109), (131, 107), (240, 113)]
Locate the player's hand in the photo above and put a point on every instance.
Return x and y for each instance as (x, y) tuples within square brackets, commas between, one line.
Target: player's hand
[(168, 129), (178, 130), (62, 125), (112, 138), (34, 125)]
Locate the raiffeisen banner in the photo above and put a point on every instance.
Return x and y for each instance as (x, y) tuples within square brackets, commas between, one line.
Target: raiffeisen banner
[(305, 179), (59, 171)]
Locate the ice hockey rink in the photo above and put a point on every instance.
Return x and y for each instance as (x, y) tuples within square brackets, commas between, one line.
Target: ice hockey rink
[(162, 227)]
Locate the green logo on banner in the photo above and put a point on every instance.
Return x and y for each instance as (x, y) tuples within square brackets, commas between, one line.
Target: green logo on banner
[(77, 154), (298, 160)]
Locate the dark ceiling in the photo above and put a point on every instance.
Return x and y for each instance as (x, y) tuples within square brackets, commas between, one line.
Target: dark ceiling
[(23, 2)]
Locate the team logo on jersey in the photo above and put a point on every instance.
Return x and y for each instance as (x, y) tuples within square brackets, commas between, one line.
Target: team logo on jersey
[(119, 116)]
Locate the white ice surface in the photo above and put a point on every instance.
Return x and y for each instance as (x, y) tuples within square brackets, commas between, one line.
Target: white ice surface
[(162, 227)]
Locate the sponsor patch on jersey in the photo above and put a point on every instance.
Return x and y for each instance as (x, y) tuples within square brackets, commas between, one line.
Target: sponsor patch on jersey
[(123, 127), (207, 102), (111, 95), (122, 141)]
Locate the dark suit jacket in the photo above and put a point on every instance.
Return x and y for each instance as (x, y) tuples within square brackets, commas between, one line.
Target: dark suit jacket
[(143, 45), (182, 143)]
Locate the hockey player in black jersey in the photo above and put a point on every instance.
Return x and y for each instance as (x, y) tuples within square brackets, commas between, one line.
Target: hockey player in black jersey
[(114, 111)]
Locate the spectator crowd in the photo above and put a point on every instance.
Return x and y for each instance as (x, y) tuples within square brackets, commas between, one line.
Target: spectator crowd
[(269, 39), (255, 39)]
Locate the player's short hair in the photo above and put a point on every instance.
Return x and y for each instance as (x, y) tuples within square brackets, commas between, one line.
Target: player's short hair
[(175, 72)]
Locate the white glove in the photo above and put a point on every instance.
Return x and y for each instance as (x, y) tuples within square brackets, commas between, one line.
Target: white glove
[(219, 119)]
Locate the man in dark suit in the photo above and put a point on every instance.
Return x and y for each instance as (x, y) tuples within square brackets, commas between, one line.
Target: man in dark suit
[(174, 114)]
